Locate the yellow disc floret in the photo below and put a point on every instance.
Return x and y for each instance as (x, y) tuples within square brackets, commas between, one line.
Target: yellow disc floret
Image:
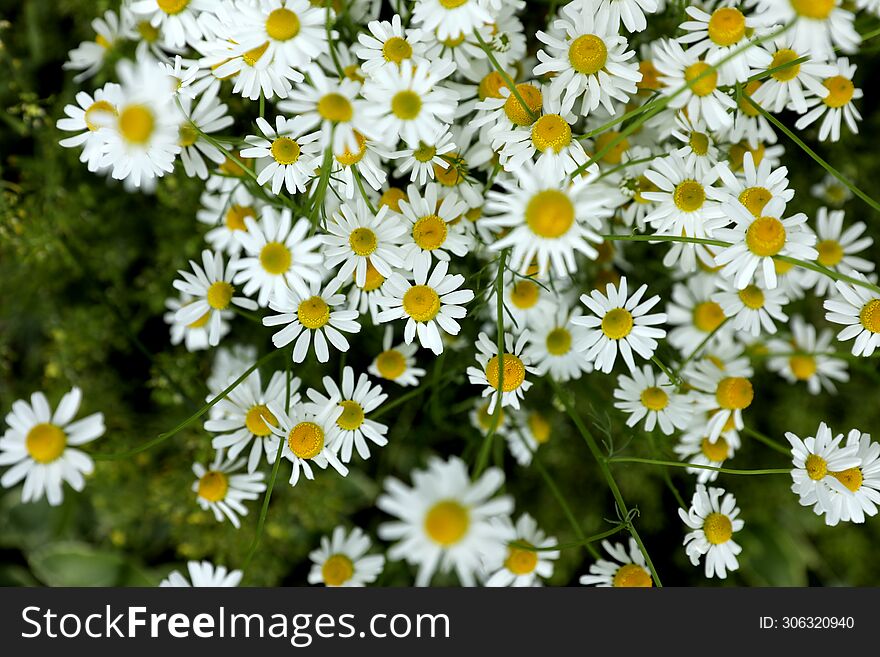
[(447, 522), (45, 442), (550, 213), (306, 440), (617, 323), (421, 302), (313, 313), (765, 236), (514, 372)]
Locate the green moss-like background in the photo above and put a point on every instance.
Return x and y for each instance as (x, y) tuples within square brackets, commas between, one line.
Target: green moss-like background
[(84, 271)]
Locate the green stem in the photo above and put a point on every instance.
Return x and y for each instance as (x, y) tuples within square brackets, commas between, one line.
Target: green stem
[(504, 76), (772, 444), (700, 346), (264, 511), (587, 540), (679, 464), (360, 184), (563, 504)]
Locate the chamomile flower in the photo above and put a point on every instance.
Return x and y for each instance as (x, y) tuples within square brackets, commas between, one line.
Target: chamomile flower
[(712, 519), (859, 309), (627, 570), (807, 357), (365, 298), (429, 218), (88, 57), (389, 44), (426, 303), (818, 25), (203, 573), (644, 395), (507, 373), (722, 391), (752, 309), (41, 446), (309, 439), (208, 116), (756, 240), (288, 156), (556, 344), (292, 32), (252, 70), (790, 87), (837, 249), (225, 212), (421, 161), (531, 430), (245, 419), (756, 185), (177, 20), (219, 489), (837, 104), (90, 119), (588, 58), (342, 560), (863, 483), (356, 400), (700, 451), (210, 285), (693, 314), (309, 312), (831, 191), (620, 323), (396, 362), (444, 520), (699, 152), (277, 255), (522, 566), (194, 335), (484, 421), (816, 459), (450, 19)]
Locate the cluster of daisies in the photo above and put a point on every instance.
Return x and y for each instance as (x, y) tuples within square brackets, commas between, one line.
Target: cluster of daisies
[(409, 169)]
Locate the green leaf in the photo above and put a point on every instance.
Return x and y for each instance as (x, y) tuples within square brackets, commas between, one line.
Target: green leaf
[(77, 564)]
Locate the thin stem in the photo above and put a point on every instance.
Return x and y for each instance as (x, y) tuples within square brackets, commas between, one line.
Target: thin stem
[(415, 392), (700, 346), (504, 76), (264, 511), (584, 542), (679, 464), (360, 184), (331, 45), (563, 504), (772, 444)]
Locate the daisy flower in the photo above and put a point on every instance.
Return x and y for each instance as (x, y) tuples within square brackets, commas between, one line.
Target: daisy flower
[(277, 255), (483, 421), (863, 483), (514, 363), (309, 312), (643, 395), (556, 344), (588, 57), (218, 488), (836, 104), (177, 20), (712, 519), (426, 303), (527, 300), (756, 185), (88, 57), (41, 446), (790, 87), (807, 357), (429, 219), (90, 119), (752, 309), (356, 401), (287, 156), (837, 249), (389, 44), (396, 363), (203, 573), (408, 102), (756, 240), (697, 449), (522, 566), (421, 161), (619, 322), (210, 285), (816, 460), (225, 212), (309, 439), (245, 419), (532, 429), (699, 152), (342, 560), (443, 522), (194, 335), (365, 298), (627, 570), (693, 314), (208, 116), (726, 393), (450, 19), (291, 33), (819, 25), (859, 309), (831, 191)]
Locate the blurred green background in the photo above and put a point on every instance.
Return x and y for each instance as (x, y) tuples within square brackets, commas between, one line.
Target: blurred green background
[(85, 269)]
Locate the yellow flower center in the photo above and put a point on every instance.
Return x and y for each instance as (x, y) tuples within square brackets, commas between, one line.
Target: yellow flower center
[(816, 467), (200, 322), (643, 184), (396, 49), (335, 108), (45, 442), (617, 323), (213, 486), (406, 105), (306, 440), (259, 420), (352, 72), (236, 214), (588, 54), (282, 24), (93, 123), (613, 155), (391, 364), (551, 131), (654, 398), (869, 317), (765, 236), (172, 7), (533, 99), (219, 295), (421, 303), (313, 313), (348, 158), (520, 561), (754, 199), (830, 253), (715, 452), (752, 297), (802, 366), (781, 58), (743, 104), (708, 316), (429, 232), (392, 197), (706, 84), (187, 135), (147, 32), (490, 86), (102, 41), (514, 372), (373, 279), (285, 150), (559, 341), (632, 575), (840, 91), (447, 522), (851, 478), (782, 267), (252, 56), (650, 77), (540, 427), (452, 4), (337, 570), (734, 393), (136, 124), (352, 415), (699, 143), (363, 241), (425, 152), (727, 26), (275, 258), (816, 9), (717, 528), (738, 152), (453, 173), (689, 195), (550, 213), (486, 419)]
